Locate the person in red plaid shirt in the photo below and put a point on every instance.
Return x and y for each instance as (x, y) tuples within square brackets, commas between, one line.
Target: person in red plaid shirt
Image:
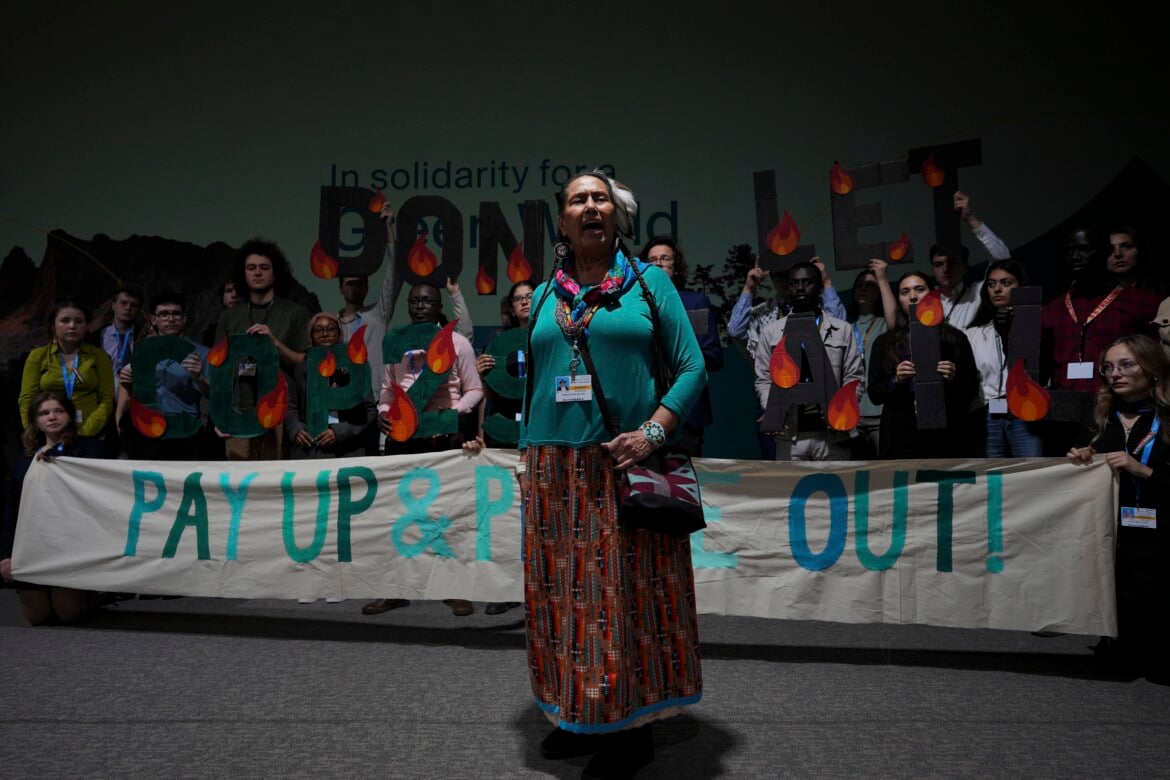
[(1077, 325)]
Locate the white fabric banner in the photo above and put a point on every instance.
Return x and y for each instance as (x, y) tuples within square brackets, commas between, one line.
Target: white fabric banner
[(1009, 544)]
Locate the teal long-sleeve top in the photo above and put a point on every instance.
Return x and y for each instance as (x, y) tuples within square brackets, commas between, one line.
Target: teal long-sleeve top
[(620, 339)]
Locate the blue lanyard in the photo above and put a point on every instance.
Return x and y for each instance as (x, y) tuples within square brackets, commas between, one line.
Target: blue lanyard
[(1145, 447), (123, 346), (69, 376)]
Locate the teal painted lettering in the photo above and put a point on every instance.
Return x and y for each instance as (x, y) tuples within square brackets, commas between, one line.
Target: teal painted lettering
[(417, 514), (142, 506), (486, 508), (192, 513), (832, 485), (295, 552), (347, 507), (861, 519), (994, 521), (946, 508), (712, 559), (235, 498)]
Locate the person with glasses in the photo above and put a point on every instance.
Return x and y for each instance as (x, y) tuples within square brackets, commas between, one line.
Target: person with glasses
[(1132, 433), (462, 391), (351, 432), (180, 386), (664, 252)]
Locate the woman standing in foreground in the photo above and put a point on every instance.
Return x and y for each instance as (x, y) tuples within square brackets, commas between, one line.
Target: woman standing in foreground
[(1133, 433), (51, 431), (609, 611)]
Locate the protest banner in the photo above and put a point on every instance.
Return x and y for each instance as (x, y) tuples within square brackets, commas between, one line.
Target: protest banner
[(1010, 544)]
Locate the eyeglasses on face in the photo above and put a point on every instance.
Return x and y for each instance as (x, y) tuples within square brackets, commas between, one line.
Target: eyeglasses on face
[(661, 259), (169, 315), (322, 330), (521, 298), (1124, 367)]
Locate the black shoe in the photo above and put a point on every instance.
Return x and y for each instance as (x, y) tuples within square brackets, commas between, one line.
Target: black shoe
[(460, 607), (499, 607), (561, 744), (378, 606), (621, 755)]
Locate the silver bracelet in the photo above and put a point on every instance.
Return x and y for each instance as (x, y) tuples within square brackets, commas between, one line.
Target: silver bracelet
[(654, 433)]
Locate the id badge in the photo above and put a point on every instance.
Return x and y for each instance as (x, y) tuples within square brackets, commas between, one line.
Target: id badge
[(1084, 370), (333, 418), (1139, 517), (997, 406), (247, 368), (574, 388), (78, 416)]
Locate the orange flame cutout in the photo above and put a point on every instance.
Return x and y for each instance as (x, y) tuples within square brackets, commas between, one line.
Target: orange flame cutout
[(322, 264), (328, 365), (840, 181), (484, 283), (931, 173), (899, 248), (519, 269), (149, 423), (421, 259), (1026, 400), (356, 347), (377, 202), (782, 368), (930, 309), (441, 352), (218, 353), (844, 412), (271, 407), (785, 237), (402, 415)]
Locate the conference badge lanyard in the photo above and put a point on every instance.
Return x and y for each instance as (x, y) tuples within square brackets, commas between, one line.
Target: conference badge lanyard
[(70, 376), (1142, 516), (999, 405), (1084, 369)]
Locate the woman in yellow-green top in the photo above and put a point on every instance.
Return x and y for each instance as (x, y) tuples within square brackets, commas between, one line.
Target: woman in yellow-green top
[(66, 364)]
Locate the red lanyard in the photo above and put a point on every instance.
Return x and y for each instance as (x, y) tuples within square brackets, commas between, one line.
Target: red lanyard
[(1102, 306)]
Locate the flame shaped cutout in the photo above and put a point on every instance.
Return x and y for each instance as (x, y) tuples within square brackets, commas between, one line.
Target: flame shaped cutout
[(218, 353), (356, 347), (271, 407), (441, 352), (147, 421), (930, 309), (899, 248), (931, 173), (785, 237), (1026, 400), (519, 269), (322, 264), (844, 412), (421, 259), (401, 415), (782, 368), (377, 202), (328, 365), (484, 283), (840, 182)]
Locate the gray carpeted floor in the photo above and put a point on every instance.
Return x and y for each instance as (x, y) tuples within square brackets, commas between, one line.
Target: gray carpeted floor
[(205, 687)]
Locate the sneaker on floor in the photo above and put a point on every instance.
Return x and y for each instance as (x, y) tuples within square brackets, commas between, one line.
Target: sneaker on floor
[(378, 606), (306, 601), (334, 600), (499, 607)]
